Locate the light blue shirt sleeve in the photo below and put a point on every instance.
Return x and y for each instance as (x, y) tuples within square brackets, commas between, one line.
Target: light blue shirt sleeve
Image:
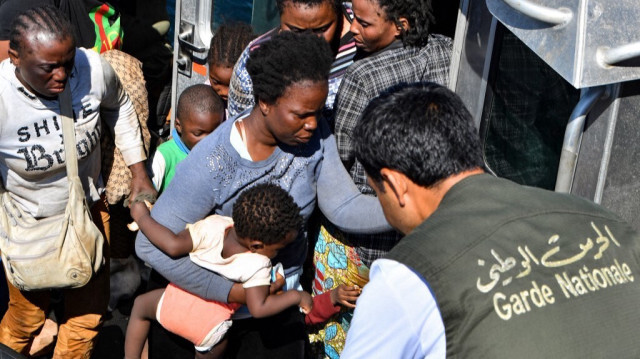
[(396, 316)]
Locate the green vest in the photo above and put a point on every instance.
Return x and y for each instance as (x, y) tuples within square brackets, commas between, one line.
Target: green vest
[(520, 272), (172, 155)]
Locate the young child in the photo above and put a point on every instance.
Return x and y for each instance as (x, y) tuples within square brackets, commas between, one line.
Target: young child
[(200, 111), (265, 220), (225, 49)]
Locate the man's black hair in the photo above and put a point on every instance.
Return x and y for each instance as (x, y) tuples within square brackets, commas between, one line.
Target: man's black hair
[(419, 13), (198, 98), (421, 130), (228, 43), (286, 59), (266, 213), (281, 4), (45, 19)]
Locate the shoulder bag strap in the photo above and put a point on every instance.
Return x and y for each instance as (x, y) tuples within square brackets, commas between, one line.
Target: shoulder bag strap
[(68, 131)]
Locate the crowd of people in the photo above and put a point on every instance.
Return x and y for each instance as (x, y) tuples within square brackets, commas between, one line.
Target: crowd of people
[(322, 195)]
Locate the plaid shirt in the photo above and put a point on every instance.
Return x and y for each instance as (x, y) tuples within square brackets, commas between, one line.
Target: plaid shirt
[(368, 77), (365, 80)]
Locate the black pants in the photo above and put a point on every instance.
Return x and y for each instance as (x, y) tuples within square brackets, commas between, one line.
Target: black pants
[(281, 336)]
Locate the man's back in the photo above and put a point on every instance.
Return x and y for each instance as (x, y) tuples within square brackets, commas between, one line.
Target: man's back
[(522, 272)]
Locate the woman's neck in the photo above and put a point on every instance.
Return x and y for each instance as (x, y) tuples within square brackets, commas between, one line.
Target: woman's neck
[(259, 140)]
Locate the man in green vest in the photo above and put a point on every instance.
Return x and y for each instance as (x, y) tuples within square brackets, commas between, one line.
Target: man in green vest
[(487, 268)]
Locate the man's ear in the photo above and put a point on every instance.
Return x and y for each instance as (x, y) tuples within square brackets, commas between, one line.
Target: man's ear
[(396, 183), (14, 58), (254, 245), (402, 26)]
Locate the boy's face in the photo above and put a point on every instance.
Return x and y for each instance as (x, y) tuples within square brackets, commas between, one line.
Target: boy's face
[(370, 27), (197, 126), (271, 250)]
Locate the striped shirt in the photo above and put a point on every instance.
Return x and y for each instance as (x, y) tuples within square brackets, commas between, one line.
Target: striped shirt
[(241, 87)]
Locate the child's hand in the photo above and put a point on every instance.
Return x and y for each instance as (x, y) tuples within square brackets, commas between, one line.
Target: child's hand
[(345, 295), (277, 285), (306, 302), (138, 210)]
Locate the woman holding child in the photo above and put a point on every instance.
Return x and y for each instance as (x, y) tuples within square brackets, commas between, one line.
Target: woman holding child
[(281, 141)]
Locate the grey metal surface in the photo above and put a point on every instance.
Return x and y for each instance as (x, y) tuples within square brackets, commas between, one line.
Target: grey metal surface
[(553, 16), (573, 137), (617, 55), (579, 49), (472, 52), (621, 192), (592, 148), (612, 120), (189, 14), (191, 41), (607, 171)]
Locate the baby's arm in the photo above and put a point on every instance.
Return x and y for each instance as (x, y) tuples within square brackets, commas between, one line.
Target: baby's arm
[(173, 245), (327, 304), (261, 304)]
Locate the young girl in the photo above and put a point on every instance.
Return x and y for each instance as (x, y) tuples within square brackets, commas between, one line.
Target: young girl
[(224, 50), (265, 219)]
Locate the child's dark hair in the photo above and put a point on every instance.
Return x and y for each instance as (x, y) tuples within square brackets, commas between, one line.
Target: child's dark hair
[(45, 19), (266, 213), (199, 98), (419, 13), (273, 68), (228, 43)]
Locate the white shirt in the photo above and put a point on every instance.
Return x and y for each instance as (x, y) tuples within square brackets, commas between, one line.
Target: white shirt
[(396, 316), (32, 159)]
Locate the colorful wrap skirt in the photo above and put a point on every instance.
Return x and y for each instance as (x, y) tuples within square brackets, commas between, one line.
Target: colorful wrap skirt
[(335, 263)]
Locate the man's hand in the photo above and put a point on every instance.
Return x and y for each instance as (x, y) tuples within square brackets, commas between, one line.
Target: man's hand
[(140, 182), (345, 295)]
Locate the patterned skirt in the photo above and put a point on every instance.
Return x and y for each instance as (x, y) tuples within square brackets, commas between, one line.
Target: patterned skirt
[(335, 263)]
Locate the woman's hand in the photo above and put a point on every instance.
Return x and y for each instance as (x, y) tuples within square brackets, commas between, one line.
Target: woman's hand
[(140, 182), (345, 295)]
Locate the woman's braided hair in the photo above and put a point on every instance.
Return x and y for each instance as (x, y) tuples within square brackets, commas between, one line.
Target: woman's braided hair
[(45, 19), (419, 14)]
